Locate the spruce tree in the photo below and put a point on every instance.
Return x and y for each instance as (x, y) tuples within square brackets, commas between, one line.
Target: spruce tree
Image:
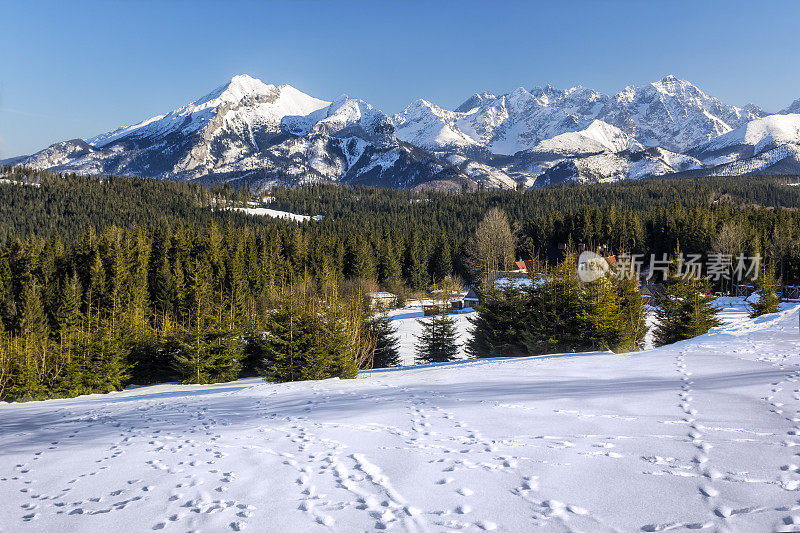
[(441, 260), (211, 352), (68, 313), (633, 316), (555, 310), (438, 341), (291, 331), (335, 347), (601, 314), (768, 300), (100, 365), (32, 363), (685, 308), (414, 267), (499, 324), (384, 334)]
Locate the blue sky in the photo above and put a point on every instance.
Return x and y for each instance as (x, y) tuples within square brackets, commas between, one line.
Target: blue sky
[(75, 69)]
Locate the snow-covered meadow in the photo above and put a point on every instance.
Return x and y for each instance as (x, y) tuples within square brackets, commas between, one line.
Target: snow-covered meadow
[(703, 434)]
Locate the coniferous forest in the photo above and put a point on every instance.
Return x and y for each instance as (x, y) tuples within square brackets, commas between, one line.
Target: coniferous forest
[(107, 281)]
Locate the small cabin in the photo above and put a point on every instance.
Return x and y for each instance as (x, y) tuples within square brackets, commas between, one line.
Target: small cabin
[(381, 300), (471, 299)]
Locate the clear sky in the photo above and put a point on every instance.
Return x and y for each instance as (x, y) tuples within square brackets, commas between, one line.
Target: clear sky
[(77, 68)]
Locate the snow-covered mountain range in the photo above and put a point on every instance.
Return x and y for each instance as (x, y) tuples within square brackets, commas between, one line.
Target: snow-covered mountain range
[(263, 134)]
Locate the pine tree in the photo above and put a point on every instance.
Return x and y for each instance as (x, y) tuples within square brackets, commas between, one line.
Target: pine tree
[(384, 334), (290, 330), (499, 324), (685, 308), (633, 316), (601, 314), (438, 341), (555, 308), (768, 300)]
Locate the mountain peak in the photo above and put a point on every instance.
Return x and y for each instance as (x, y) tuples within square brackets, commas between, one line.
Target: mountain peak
[(794, 107), (238, 88), (475, 101), (672, 86)]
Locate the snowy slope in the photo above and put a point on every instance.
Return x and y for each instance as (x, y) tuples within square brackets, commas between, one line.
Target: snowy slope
[(699, 435), (429, 126), (763, 145), (674, 114), (597, 137), (274, 213), (755, 136)]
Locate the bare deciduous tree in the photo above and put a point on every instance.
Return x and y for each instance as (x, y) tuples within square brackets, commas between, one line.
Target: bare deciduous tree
[(492, 246), (730, 241)]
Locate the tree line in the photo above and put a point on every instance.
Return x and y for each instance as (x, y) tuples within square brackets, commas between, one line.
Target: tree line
[(409, 239)]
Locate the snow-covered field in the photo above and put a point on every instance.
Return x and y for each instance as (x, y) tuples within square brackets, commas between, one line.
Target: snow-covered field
[(703, 434), (274, 213)]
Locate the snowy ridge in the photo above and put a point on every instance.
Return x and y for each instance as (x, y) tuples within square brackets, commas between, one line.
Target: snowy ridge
[(706, 427), (596, 137), (265, 134), (761, 134), (271, 105)]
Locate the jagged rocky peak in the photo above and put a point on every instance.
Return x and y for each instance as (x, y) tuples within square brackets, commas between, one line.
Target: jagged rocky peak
[(476, 100), (674, 86), (793, 108), (547, 94)]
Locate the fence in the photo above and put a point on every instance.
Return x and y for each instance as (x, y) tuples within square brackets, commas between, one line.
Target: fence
[(786, 292)]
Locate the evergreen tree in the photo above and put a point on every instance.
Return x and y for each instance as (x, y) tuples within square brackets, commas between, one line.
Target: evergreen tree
[(601, 314), (633, 316), (768, 300), (254, 353), (414, 267), (335, 348), (685, 308), (210, 354), (499, 324), (99, 365), (441, 260), (438, 341), (290, 330), (555, 310), (389, 267), (384, 334), (31, 366), (68, 313)]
